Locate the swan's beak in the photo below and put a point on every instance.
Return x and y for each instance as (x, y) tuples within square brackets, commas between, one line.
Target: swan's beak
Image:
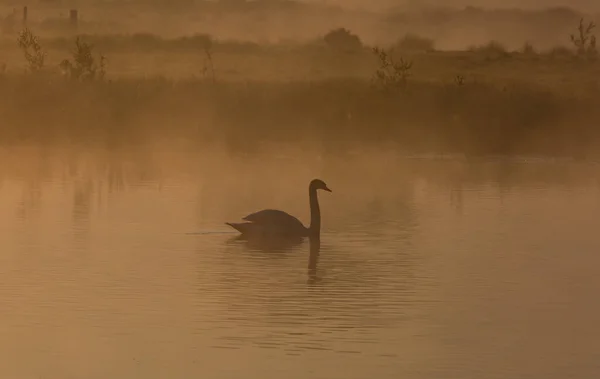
[(327, 189)]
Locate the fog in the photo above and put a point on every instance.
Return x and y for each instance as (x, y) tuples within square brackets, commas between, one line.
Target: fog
[(452, 26), (466, 80), (436, 165)]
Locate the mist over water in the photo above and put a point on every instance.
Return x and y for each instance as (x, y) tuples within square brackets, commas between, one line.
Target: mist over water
[(116, 263), (459, 140)]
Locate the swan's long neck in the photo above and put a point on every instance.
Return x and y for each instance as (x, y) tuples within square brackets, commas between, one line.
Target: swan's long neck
[(315, 213)]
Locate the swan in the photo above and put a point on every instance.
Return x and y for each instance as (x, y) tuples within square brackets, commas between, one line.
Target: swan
[(276, 223)]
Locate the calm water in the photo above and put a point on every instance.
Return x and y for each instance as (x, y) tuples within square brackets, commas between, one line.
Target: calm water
[(118, 265)]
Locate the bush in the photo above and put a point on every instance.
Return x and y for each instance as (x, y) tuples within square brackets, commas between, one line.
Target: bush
[(491, 51), (84, 65), (528, 49), (391, 75), (343, 39), (585, 41), (414, 43), (32, 50)]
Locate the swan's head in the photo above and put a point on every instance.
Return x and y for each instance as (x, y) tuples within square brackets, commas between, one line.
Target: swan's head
[(318, 184)]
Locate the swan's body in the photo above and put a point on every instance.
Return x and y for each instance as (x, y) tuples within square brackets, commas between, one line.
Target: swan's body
[(273, 223)]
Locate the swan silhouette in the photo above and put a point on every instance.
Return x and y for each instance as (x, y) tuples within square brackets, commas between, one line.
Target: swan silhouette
[(273, 223)]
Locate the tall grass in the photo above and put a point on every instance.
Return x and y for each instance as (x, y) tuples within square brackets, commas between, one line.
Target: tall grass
[(471, 118)]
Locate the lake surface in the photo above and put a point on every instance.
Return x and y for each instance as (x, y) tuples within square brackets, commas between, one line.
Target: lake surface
[(117, 264)]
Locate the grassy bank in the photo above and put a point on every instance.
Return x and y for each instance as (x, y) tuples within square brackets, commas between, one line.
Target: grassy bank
[(423, 116), (486, 100), (143, 55)]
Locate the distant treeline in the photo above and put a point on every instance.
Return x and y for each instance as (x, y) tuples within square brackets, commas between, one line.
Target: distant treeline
[(453, 28)]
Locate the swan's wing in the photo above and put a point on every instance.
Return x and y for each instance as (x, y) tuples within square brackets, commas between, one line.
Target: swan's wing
[(269, 216), (275, 217)]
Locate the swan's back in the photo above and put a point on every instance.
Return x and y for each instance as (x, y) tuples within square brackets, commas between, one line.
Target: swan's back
[(278, 219)]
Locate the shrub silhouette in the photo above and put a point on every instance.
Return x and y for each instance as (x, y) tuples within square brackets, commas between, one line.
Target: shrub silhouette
[(491, 51), (391, 75), (585, 41), (343, 39), (414, 43), (84, 66), (32, 50)]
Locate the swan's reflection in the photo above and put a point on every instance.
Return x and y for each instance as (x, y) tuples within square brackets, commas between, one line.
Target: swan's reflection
[(268, 244), (313, 259), (284, 245)]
